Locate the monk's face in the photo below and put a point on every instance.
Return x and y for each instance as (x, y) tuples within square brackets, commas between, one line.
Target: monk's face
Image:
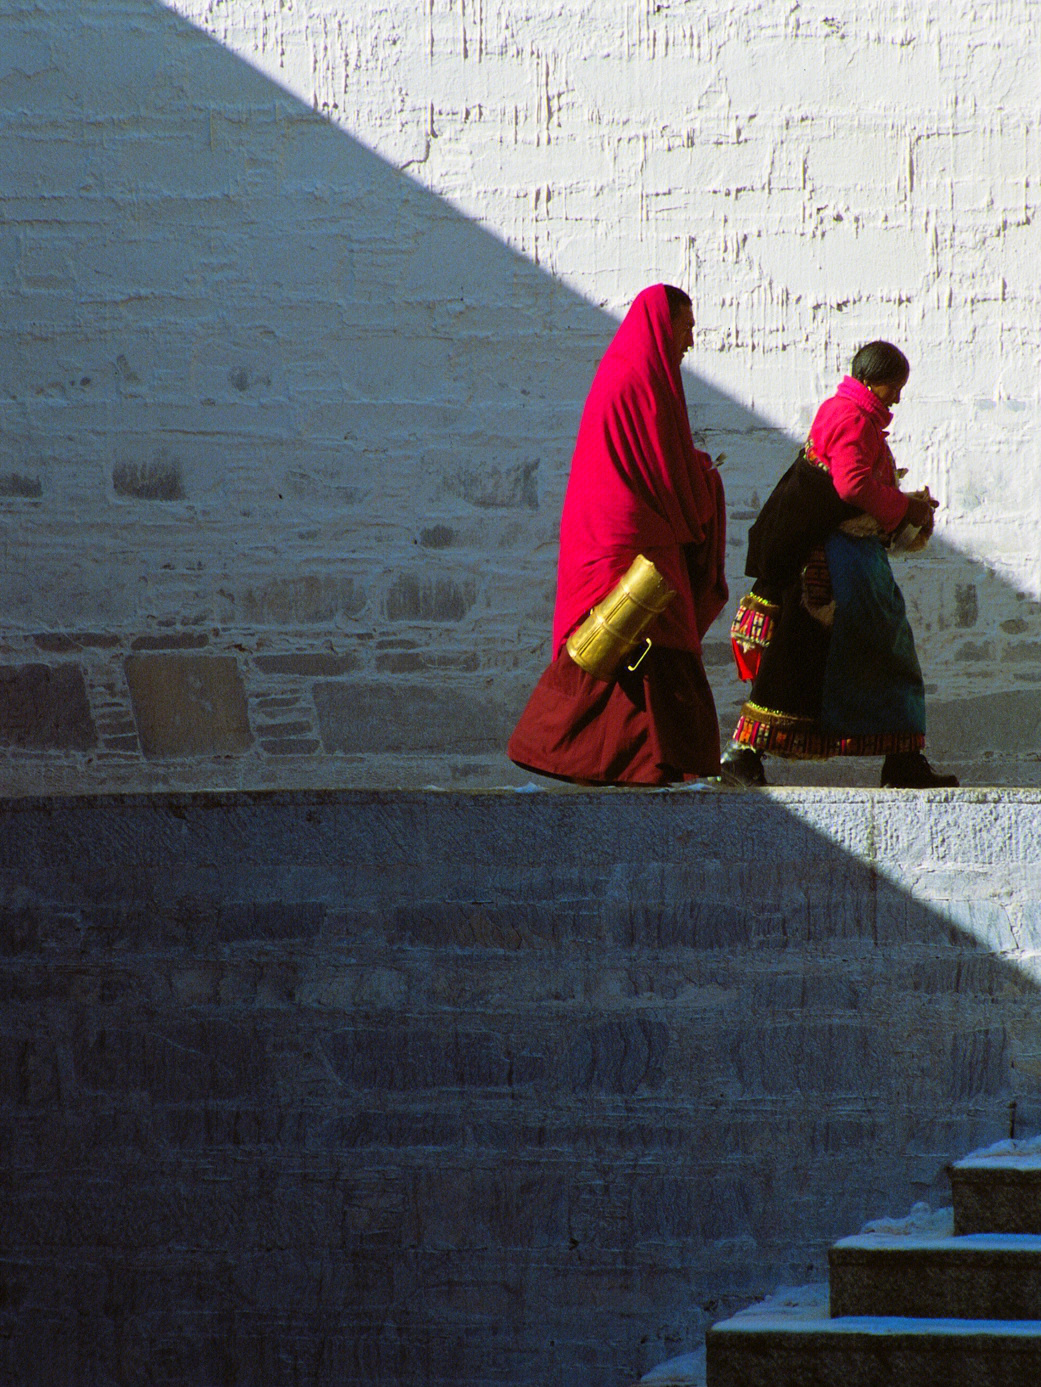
[(682, 332)]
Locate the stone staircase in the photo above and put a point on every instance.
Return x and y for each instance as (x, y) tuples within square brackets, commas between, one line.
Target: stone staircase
[(952, 1299)]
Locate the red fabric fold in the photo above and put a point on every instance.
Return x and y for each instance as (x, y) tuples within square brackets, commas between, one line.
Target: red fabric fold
[(639, 486), (747, 661)]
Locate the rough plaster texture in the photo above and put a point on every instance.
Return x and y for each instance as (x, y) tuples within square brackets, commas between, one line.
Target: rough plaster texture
[(386, 1088), (303, 299)]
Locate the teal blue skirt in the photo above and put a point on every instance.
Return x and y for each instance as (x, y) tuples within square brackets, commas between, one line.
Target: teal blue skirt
[(872, 679)]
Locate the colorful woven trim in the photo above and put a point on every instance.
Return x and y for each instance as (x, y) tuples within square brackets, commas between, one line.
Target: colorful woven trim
[(810, 454), (801, 739), (817, 595), (753, 626)]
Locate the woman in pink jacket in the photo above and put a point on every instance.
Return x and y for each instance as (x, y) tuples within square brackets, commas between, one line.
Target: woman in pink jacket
[(824, 634)]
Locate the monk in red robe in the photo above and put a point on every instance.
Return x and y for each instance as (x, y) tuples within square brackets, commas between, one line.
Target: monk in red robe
[(637, 486)]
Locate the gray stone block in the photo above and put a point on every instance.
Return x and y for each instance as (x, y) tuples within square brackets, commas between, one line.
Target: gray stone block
[(1024, 652), (174, 640), (966, 604), (188, 705), (979, 1062), (974, 652), (306, 600), (396, 1058), (158, 480), (130, 742), (410, 598), (45, 707), (117, 725), (437, 537), (264, 920), (16, 486), (60, 643), (179, 1063), (621, 1056), (494, 487)]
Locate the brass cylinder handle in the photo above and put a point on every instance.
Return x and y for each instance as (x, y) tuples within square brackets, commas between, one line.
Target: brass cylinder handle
[(614, 627)]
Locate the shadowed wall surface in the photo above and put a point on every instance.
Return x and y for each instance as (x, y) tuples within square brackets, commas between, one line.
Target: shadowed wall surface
[(380, 1088), (303, 302)]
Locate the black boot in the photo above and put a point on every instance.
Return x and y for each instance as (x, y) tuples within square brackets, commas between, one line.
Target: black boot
[(742, 765), (909, 770)]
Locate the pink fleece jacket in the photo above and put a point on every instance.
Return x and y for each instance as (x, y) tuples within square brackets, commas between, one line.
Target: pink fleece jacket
[(848, 436)]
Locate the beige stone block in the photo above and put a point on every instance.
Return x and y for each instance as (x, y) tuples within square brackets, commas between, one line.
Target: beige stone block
[(188, 705)]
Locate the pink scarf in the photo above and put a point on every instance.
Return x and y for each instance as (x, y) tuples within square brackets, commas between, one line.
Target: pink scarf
[(639, 486)]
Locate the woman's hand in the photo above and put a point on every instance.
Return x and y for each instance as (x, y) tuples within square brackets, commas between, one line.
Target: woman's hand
[(920, 510)]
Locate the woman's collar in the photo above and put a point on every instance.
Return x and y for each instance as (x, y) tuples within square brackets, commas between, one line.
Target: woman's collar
[(860, 394)]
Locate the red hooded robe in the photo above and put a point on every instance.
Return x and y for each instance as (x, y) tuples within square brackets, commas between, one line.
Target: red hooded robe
[(637, 486)]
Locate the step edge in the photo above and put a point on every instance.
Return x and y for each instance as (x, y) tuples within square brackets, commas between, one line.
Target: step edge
[(1018, 1244), (878, 1326), (1010, 1165)]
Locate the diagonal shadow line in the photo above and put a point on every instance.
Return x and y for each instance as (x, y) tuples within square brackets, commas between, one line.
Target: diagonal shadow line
[(297, 351), (237, 264)]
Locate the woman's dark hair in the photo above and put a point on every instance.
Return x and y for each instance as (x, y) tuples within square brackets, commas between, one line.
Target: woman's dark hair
[(677, 298), (880, 363)]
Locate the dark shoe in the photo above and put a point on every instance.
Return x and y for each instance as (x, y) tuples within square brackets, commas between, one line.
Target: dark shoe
[(741, 765), (909, 770)]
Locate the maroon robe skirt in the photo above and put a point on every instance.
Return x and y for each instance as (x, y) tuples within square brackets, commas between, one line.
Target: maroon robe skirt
[(651, 726)]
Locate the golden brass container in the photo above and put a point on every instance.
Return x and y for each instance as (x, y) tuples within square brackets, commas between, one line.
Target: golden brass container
[(613, 628)]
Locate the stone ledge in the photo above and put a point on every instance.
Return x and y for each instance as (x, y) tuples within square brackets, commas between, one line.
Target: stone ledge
[(614, 1049), (786, 796)]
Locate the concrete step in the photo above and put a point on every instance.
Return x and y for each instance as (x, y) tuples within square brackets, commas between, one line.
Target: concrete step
[(998, 1190), (951, 1298), (980, 1276), (757, 1349)]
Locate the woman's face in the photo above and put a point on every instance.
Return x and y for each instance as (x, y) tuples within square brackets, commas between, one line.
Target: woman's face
[(888, 391)]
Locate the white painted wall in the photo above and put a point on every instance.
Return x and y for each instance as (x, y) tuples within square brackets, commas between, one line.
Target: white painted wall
[(350, 348)]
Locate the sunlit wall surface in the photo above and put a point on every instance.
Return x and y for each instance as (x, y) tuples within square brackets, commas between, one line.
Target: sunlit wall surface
[(302, 300)]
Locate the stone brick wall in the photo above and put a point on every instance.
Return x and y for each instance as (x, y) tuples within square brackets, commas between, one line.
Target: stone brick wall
[(383, 1089), (302, 302)]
